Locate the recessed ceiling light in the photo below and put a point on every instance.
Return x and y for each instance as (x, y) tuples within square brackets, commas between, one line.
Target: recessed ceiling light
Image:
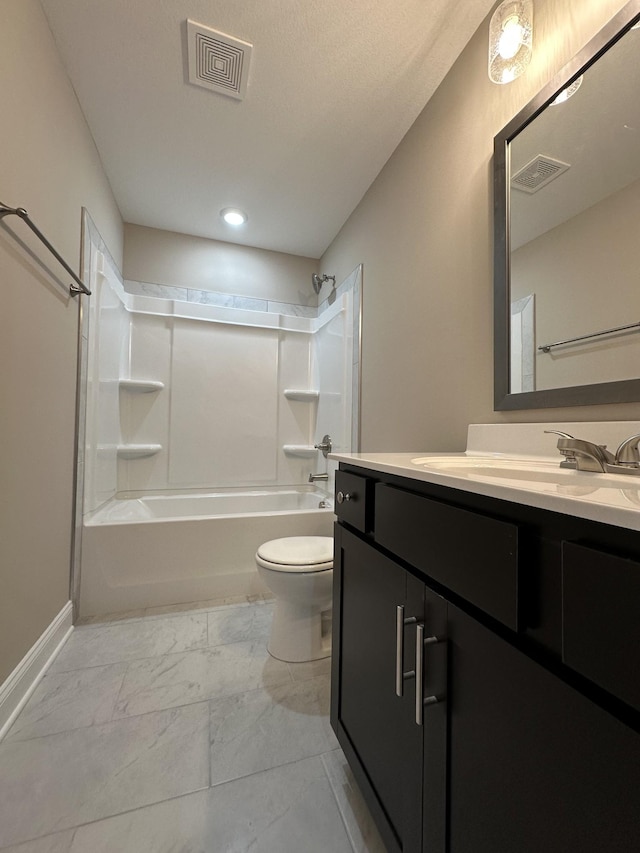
[(233, 216)]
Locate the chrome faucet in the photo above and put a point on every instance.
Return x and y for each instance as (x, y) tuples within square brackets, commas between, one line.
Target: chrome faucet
[(314, 477), (588, 456)]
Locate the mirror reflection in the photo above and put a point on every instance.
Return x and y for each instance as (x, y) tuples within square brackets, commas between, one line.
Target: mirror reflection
[(567, 241), (574, 190)]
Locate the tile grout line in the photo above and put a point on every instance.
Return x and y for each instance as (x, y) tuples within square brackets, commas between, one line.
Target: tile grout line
[(117, 619), (337, 802), (127, 664), (278, 767), (209, 744), (209, 700), (106, 723), (153, 657), (78, 826), (74, 828)]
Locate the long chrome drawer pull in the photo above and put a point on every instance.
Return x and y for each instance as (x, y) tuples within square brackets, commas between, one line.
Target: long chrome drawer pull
[(421, 642), (400, 674)]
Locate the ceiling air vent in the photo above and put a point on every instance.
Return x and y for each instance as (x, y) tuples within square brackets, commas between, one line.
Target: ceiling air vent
[(218, 61), (538, 173)]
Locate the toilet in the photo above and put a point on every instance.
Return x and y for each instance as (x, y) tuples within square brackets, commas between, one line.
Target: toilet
[(299, 572)]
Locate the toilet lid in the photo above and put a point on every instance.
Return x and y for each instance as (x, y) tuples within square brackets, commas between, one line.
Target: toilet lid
[(298, 550)]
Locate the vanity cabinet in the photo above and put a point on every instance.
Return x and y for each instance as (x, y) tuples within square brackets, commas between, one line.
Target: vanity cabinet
[(377, 721), (518, 743)]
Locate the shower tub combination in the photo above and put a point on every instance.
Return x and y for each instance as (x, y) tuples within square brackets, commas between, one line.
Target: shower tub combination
[(152, 550), (191, 408)]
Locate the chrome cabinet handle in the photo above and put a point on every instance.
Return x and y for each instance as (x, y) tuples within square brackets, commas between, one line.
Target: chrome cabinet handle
[(400, 674), (342, 497), (421, 701)]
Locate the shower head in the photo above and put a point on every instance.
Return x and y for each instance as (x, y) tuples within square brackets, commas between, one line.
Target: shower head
[(319, 280)]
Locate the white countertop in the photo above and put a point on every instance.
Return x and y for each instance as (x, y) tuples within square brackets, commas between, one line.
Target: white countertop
[(607, 498)]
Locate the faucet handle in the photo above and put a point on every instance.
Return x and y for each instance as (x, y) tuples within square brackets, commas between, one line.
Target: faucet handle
[(628, 452), (324, 445)]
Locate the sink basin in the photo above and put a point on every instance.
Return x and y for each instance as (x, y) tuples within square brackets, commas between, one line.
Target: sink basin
[(474, 462), (526, 472)]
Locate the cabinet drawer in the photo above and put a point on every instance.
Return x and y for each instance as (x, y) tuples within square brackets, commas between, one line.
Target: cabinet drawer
[(600, 628), (472, 554), (354, 500)]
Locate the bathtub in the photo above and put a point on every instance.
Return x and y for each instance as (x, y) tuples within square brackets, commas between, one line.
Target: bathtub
[(151, 550)]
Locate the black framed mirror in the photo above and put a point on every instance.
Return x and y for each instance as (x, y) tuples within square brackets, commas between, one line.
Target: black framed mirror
[(567, 233)]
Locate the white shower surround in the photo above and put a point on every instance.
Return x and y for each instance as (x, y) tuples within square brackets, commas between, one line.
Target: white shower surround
[(186, 556)]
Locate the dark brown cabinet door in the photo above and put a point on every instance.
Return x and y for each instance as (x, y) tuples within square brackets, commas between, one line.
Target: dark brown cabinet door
[(379, 724), (534, 765)]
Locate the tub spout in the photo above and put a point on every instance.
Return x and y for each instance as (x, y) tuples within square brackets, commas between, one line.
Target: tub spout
[(314, 477)]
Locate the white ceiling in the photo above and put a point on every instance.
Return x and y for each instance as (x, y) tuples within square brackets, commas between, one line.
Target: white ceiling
[(333, 88)]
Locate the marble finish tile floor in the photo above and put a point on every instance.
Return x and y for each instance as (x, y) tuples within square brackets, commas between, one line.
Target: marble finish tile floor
[(176, 731)]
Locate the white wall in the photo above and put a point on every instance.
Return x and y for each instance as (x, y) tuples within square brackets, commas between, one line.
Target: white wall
[(333, 366), (107, 357), (222, 418), (180, 260), (49, 165), (423, 232)]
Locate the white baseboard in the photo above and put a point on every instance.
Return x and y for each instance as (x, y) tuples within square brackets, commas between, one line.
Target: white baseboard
[(16, 690)]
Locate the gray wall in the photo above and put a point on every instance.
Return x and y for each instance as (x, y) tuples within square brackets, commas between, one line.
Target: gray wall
[(180, 260), (584, 274), (50, 166), (424, 234)]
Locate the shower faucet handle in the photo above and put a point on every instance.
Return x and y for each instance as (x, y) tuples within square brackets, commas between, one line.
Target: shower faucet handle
[(324, 446)]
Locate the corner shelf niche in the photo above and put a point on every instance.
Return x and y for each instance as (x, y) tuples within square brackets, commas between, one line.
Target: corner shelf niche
[(141, 386), (138, 451), (301, 395)]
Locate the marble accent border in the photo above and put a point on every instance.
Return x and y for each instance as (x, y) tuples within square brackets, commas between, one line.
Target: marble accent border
[(249, 303), (18, 687), (221, 300)]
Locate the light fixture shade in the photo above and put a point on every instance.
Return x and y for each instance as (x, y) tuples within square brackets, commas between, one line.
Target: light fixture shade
[(510, 40), (569, 92)]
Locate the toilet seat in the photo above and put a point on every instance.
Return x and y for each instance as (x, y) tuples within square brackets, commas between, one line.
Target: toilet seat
[(297, 554)]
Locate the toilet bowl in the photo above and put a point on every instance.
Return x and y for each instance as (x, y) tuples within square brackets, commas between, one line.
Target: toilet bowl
[(299, 572)]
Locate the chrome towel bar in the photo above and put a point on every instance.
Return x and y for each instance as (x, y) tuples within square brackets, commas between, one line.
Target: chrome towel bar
[(77, 286), (548, 347)]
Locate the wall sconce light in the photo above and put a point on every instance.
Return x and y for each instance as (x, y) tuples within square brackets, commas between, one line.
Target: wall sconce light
[(510, 39)]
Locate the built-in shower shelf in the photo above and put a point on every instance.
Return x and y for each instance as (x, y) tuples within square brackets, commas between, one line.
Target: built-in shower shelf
[(305, 450), (301, 395), (137, 451), (141, 386)]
